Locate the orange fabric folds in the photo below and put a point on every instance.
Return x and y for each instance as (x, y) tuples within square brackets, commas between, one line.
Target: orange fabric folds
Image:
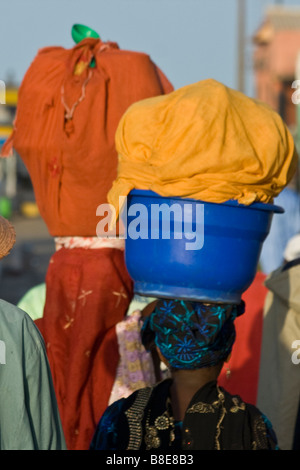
[(204, 141), (65, 126), (88, 293)]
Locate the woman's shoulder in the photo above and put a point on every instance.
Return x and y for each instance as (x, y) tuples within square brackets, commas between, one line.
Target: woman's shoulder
[(259, 426)]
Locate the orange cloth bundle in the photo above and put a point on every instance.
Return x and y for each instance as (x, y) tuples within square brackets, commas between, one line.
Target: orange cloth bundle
[(65, 126), (204, 141)]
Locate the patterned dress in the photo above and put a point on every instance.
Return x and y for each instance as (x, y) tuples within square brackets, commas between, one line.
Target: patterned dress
[(214, 420)]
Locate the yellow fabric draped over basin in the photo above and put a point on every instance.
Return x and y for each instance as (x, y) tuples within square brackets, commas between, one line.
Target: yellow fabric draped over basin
[(204, 141)]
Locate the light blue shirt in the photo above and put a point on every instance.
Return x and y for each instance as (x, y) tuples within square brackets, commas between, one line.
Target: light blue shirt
[(29, 417), (283, 227)]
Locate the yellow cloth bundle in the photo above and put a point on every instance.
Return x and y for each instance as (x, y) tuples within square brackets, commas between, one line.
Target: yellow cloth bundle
[(204, 141)]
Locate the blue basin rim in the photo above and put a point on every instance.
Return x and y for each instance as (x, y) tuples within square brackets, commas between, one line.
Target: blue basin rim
[(232, 203), (196, 294)]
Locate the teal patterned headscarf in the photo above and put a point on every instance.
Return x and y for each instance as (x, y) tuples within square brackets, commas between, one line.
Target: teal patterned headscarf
[(191, 335)]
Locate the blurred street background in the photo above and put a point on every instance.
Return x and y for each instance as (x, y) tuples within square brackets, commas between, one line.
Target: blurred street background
[(250, 45), (26, 265)]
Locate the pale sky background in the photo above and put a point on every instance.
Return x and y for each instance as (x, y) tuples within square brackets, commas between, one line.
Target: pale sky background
[(189, 40)]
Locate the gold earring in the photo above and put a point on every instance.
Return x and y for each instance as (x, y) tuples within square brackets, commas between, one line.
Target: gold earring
[(228, 372)]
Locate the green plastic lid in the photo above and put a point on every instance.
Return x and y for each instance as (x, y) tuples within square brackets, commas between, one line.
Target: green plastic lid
[(80, 32)]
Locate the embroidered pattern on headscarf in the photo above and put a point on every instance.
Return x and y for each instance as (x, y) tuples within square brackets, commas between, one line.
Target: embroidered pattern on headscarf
[(191, 335)]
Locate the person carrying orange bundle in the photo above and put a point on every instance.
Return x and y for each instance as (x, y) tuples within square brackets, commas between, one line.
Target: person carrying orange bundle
[(69, 106), (213, 144)]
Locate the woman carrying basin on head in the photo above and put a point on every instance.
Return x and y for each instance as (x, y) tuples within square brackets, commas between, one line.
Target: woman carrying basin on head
[(189, 410), (212, 144)]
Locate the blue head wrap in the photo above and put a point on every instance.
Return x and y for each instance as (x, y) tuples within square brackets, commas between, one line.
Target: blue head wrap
[(191, 335)]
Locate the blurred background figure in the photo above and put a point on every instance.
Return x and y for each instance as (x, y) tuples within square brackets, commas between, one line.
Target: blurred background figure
[(284, 226), (276, 66), (279, 377), (29, 413)]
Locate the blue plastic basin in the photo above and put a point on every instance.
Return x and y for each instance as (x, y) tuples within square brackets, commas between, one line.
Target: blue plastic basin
[(215, 258)]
